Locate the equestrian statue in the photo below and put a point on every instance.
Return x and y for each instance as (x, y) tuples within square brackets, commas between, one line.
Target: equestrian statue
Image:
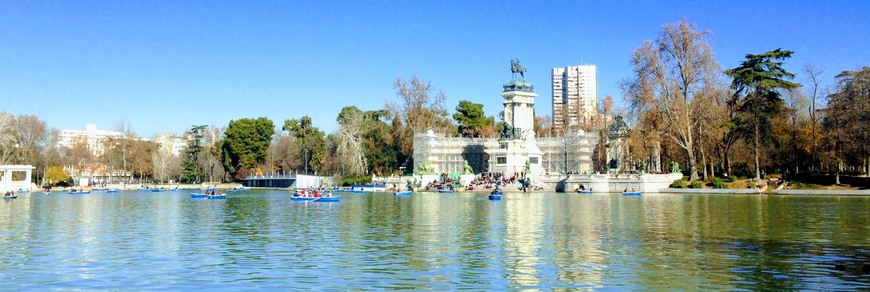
[(517, 68)]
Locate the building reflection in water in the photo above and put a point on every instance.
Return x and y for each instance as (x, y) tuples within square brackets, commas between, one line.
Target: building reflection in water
[(524, 229)]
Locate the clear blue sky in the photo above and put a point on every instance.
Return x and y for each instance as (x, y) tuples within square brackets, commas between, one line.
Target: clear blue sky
[(163, 66)]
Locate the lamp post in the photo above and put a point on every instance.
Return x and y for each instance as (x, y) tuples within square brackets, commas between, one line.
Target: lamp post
[(305, 160)]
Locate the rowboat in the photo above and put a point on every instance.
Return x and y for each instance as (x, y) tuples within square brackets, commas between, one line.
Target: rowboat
[(112, 191), (370, 187), (631, 193), (358, 191), (23, 191), (494, 195), (405, 193), (216, 197), (158, 190), (443, 191), (327, 199), (497, 192), (79, 192), (198, 196), (12, 197), (300, 198), (584, 192)]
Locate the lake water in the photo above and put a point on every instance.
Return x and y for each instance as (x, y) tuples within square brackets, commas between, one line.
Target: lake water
[(430, 241)]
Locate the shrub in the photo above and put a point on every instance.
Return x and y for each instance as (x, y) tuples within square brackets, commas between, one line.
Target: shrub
[(351, 180), (732, 178), (679, 184), (697, 184), (718, 183)]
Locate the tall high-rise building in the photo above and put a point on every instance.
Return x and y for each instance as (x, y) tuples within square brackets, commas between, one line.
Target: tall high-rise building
[(575, 90)]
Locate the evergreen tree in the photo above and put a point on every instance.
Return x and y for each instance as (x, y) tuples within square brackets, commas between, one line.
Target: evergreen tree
[(191, 171), (756, 83), (245, 144)]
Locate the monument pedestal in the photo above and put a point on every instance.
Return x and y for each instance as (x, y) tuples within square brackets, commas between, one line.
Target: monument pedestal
[(517, 156)]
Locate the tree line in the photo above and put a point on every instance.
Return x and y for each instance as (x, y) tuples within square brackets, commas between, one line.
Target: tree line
[(752, 119), (749, 120)]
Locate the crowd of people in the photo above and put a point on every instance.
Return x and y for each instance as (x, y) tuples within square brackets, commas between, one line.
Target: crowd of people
[(490, 180)]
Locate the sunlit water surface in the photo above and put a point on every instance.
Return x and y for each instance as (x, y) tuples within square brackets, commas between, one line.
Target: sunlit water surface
[(430, 241)]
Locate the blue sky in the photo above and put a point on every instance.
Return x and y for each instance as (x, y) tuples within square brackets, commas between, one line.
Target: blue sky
[(163, 66)]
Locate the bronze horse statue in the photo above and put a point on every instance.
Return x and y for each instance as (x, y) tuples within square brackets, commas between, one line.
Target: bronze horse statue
[(517, 68)]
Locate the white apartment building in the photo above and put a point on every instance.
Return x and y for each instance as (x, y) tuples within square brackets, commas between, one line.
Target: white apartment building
[(175, 143), (575, 91), (91, 136)]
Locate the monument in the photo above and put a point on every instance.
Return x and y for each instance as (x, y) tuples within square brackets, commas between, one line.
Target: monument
[(617, 146), (518, 152)]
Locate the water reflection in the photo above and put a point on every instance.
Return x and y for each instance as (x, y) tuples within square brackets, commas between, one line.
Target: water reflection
[(262, 239)]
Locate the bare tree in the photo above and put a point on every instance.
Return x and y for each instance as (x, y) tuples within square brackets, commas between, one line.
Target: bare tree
[(672, 74), (7, 138), (210, 160), (815, 80), (282, 154), (165, 163), (349, 141), (419, 109), (29, 137)]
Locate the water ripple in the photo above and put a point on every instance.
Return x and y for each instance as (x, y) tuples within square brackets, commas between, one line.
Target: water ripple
[(262, 240)]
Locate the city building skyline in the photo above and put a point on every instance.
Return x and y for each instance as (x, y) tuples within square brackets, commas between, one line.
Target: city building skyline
[(574, 96), (91, 136)]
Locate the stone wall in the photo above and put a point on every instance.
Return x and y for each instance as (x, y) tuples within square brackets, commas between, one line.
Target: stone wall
[(606, 183)]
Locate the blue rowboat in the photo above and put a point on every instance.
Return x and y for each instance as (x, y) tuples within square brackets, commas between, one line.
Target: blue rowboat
[(216, 197), (631, 193), (443, 191), (494, 197), (584, 192), (405, 193), (338, 191), (198, 196), (158, 190), (79, 192), (327, 199), (22, 191), (299, 198), (12, 197), (112, 191), (359, 191)]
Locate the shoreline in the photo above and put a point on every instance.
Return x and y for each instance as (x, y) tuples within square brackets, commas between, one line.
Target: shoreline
[(772, 192)]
